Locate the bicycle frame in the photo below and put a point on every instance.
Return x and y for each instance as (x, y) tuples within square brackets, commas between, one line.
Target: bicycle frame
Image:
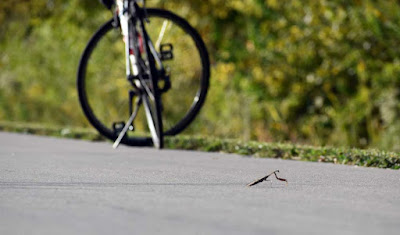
[(142, 76), (130, 14), (124, 14)]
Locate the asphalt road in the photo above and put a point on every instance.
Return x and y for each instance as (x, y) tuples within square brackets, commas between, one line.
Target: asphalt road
[(56, 186)]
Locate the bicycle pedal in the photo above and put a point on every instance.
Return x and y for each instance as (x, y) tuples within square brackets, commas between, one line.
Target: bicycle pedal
[(119, 126), (166, 51)]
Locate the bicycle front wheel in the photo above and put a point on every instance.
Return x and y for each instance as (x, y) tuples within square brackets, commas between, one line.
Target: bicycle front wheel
[(104, 90)]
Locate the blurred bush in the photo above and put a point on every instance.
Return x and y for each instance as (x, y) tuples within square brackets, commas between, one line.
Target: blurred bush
[(320, 72)]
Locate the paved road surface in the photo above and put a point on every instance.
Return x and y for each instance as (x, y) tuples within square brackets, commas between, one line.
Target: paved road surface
[(56, 186)]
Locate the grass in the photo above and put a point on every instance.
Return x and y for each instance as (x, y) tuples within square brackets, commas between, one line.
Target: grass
[(359, 157)]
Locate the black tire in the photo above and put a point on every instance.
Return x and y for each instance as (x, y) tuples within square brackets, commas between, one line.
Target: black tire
[(99, 101)]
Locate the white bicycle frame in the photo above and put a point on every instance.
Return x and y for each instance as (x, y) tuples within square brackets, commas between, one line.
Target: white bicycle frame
[(123, 14), (133, 69)]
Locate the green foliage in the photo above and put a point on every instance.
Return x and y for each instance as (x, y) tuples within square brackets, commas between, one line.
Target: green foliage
[(324, 72), (51, 130), (368, 158), (39, 61), (321, 72)]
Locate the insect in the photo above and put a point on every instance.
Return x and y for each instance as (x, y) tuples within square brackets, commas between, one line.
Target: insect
[(266, 177)]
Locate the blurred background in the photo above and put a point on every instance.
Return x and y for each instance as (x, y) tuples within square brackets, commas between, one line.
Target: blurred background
[(318, 72)]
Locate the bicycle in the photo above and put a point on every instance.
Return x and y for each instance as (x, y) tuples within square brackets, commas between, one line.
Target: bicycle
[(142, 57)]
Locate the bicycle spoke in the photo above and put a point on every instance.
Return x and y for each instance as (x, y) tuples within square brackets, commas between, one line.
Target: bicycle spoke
[(161, 34)]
